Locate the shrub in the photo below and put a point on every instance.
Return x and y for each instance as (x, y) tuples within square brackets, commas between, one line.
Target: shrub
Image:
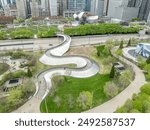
[(112, 72), (29, 73), (110, 89), (129, 43), (141, 61), (147, 68), (100, 50), (128, 105), (139, 103), (21, 34), (148, 60), (124, 79), (46, 34), (2, 35), (85, 100), (99, 29), (121, 45), (146, 88), (118, 52), (147, 76), (135, 19)]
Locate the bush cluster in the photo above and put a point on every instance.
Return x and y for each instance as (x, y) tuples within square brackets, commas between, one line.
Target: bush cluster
[(138, 103), (46, 34), (99, 29), (21, 34)]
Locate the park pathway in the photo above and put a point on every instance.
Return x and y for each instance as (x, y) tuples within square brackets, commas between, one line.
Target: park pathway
[(116, 102)]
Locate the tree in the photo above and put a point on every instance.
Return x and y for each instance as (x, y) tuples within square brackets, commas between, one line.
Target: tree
[(141, 61), (29, 73), (121, 44), (14, 98), (57, 100), (112, 72), (110, 89), (146, 106), (124, 79), (2, 35), (148, 60), (146, 89), (85, 100), (128, 105), (129, 43)]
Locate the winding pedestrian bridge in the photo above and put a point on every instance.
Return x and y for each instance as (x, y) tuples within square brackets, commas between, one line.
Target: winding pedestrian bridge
[(54, 56), (85, 67)]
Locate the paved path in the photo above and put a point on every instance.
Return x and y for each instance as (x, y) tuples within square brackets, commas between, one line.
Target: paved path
[(111, 105)]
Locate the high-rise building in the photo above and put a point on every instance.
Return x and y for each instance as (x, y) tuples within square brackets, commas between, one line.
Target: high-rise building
[(97, 7), (52, 7), (65, 5), (144, 9), (148, 19), (76, 5), (44, 8), (35, 8), (8, 1), (123, 9), (1, 6), (105, 11), (113, 4), (128, 9), (22, 8), (87, 5), (60, 7), (10, 10)]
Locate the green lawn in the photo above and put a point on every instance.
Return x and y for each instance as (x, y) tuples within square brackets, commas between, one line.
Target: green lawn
[(71, 88), (3, 68)]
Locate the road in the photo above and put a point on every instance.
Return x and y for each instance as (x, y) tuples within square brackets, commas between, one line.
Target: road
[(43, 44)]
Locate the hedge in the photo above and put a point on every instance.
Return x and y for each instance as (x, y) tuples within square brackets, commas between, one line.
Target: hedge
[(46, 34), (2, 35), (21, 34), (99, 29)]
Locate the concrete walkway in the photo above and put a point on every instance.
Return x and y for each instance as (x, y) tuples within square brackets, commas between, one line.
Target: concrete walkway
[(54, 56), (116, 102)]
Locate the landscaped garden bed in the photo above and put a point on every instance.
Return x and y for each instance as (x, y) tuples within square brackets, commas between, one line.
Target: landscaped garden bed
[(99, 29)]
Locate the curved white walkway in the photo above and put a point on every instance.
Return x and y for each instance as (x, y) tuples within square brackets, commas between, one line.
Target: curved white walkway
[(84, 66), (54, 56), (127, 54)]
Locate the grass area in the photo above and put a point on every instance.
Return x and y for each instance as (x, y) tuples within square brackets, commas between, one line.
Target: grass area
[(3, 68), (28, 32), (71, 87)]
